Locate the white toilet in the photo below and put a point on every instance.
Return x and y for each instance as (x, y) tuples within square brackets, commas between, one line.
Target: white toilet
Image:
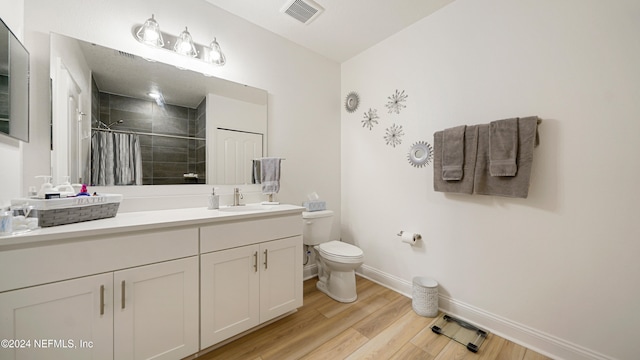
[(336, 260)]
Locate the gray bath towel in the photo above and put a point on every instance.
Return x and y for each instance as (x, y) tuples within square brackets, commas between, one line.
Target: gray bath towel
[(464, 185), (510, 186), (270, 173), (503, 147), (453, 153)]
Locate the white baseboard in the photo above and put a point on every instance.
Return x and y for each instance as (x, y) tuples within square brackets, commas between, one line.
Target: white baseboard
[(310, 271), (533, 339)]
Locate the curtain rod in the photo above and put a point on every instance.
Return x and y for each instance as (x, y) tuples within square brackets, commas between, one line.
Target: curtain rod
[(149, 134)]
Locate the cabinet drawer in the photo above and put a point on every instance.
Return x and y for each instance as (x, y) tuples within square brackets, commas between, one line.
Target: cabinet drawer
[(50, 263), (240, 233)]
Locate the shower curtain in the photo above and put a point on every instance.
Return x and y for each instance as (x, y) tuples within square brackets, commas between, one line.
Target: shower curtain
[(116, 159)]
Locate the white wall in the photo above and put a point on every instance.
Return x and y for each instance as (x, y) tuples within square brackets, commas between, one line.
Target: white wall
[(303, 86), (12, 13), (557, 271)]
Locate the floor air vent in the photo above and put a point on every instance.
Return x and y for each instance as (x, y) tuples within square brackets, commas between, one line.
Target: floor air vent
[(304, 11)]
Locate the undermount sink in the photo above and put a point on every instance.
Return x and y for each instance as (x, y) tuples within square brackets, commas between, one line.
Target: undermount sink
[(246, 208)]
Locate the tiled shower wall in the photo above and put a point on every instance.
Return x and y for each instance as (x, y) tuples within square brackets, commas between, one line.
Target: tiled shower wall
[(165, 160), (4, 104)]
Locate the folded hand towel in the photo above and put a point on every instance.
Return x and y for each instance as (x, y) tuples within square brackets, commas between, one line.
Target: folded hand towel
[(270, 172), (453, 153), (503, 147), (465, 185)]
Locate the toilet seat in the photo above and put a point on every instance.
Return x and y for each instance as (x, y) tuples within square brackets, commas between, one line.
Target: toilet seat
[(341, 252)]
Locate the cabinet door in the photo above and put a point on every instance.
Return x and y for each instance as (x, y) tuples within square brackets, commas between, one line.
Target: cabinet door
[(156, 310), (65, 320), (229, 284), (280, 277)]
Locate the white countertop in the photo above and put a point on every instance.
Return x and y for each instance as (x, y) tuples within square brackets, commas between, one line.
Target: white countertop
[(136, 221)]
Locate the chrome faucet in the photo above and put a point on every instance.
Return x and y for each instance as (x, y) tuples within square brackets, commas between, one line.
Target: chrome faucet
[(237, 195)]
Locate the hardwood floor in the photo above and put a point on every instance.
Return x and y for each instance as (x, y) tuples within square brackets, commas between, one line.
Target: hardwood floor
[(379, 325)]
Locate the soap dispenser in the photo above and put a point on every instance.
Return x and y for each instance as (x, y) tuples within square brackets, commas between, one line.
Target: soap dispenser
[(214, 200), (46, 187), (66, 190)]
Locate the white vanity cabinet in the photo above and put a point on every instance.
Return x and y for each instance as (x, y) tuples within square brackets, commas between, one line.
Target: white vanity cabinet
[(142, 303), (155, 311), (78, 310), (250, 273), (149, 285)]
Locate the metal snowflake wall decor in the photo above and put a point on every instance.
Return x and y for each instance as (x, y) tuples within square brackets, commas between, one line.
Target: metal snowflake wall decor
[(395, 103), (352, 101), (370, 118), (394, 135)]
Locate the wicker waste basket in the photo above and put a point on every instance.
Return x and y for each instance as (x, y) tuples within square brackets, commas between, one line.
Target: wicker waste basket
[(425, 296)]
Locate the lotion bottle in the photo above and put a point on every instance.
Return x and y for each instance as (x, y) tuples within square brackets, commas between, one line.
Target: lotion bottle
[(214, 200)]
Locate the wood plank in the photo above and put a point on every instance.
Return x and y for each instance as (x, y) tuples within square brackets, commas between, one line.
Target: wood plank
[(375, 324), (393, 338), (511, 351), (532, 355), (339, 347), (410, 352)]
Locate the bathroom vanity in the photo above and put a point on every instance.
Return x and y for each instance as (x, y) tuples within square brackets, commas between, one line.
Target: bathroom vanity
[(155, 284)]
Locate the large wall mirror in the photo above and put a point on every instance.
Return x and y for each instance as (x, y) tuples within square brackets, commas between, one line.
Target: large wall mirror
[(119, 119), (14, 85)]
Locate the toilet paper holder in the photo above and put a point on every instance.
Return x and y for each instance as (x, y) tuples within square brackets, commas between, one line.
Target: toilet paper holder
[(417, 236)]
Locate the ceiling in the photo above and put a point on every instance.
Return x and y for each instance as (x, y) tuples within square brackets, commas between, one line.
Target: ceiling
[(345, 27)]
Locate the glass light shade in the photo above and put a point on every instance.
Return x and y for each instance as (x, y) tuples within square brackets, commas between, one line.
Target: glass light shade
[(149, 33), (215, 53), (184, 45)]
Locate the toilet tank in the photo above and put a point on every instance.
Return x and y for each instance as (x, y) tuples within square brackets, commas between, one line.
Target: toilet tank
[(316, 226)]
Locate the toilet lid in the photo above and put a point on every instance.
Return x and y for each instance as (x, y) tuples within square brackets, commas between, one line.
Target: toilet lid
[(340, 249)]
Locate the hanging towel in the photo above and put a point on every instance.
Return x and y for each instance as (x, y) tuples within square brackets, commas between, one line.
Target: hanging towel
[(270, 175), (256, 178), (453, 153), (465, 185), (511, 186), (503, 147)]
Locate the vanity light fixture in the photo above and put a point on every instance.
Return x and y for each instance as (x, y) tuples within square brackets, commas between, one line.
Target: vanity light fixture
[(184, 45), (216, 56), (149, 34)]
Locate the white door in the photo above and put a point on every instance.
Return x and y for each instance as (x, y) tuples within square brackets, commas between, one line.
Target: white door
[(235, 151), (280, 277), (229, 288), (65, 129), (156, 311), (65, 320)]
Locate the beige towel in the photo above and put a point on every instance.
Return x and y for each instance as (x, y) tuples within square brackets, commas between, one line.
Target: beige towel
[(464, 185), (515, 186), (503, 147), (453, 153)]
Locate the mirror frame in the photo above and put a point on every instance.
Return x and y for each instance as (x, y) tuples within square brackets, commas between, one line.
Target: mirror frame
[(18, 104)]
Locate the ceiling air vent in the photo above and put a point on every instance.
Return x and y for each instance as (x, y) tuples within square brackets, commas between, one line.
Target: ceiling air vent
[(304, 11), (125, 54)]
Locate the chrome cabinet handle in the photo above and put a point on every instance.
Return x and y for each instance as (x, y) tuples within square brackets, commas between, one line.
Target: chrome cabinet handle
[(101, 299), (122, 285), (255, 261), (266, 260)]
